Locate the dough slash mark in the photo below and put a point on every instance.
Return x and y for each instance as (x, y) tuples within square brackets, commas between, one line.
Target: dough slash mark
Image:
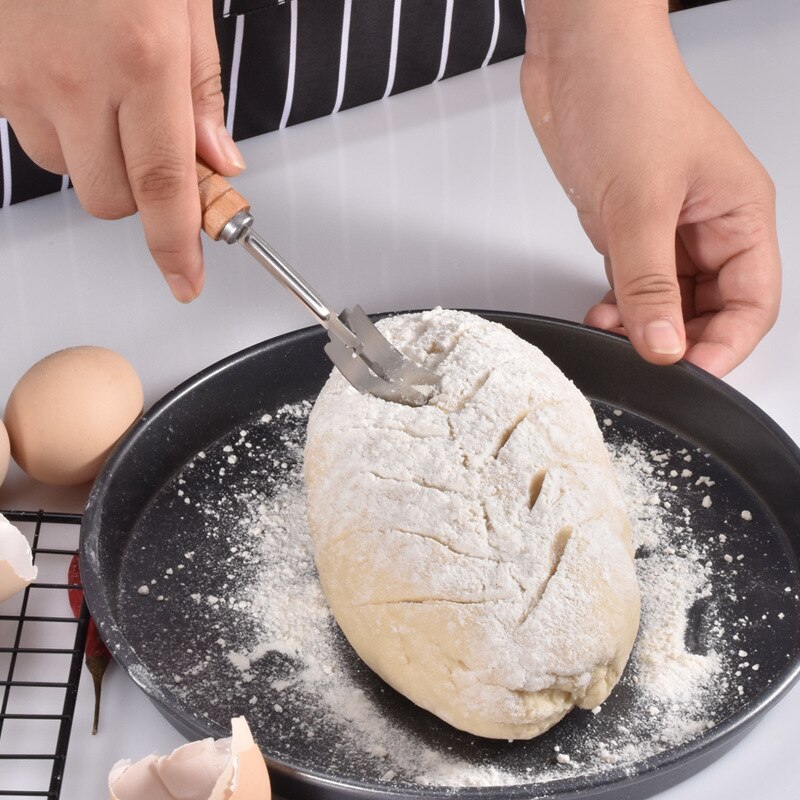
[(410, 601), (443, 543), (467, 399), (437, 349), (559, 546), (509, 432), (470, 396), (536, 487), (415, 481)]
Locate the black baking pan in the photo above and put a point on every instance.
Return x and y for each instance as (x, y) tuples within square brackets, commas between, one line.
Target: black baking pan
[(135, 525)]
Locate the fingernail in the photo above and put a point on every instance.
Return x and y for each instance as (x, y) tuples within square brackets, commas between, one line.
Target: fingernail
[(662, 338), (180, 287), (229, 148)]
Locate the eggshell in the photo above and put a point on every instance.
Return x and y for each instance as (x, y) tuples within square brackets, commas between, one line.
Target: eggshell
[(250, 778), (67, 412), (16, 561), (5, 452), (226, 769)]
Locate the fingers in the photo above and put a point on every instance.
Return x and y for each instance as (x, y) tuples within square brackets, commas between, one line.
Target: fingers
[(93, 156), (605, 314), (156, 126), (38, 138), (214, 144), (749, 286), (726, 339), (739, 288), (735, 308), (641, 245), (126, 94)]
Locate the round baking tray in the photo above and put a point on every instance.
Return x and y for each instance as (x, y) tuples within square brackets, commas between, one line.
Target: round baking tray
[(132, 526)]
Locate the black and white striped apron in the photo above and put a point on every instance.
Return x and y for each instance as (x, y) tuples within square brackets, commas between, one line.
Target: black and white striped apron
[(288, 61)]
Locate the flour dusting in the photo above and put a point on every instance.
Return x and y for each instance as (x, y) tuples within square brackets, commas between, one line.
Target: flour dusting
[(270, 607)]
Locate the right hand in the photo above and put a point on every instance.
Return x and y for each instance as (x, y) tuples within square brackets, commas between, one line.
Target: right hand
[(122, 96), (666, 190)]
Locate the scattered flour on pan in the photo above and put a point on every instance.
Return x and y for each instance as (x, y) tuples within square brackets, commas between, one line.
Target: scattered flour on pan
[(672, 691)]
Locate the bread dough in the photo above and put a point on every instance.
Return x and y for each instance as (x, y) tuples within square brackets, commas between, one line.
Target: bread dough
[(475, 551)]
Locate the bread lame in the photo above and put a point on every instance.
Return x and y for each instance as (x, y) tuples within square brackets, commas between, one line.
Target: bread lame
[(356, 347)]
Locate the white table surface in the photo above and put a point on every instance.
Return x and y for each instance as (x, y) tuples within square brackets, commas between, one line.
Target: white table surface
[(439, 196)]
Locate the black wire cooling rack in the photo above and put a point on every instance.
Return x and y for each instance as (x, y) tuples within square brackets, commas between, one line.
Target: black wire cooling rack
[(38, 674)]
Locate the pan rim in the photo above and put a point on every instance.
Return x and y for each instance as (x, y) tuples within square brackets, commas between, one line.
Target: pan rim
[(726, 732)]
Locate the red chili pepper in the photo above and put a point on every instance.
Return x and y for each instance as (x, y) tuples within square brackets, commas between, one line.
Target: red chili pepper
[(98, 656)]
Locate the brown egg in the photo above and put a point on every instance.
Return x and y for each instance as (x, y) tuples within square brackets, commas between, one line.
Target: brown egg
[(5, 451), (67, 412)]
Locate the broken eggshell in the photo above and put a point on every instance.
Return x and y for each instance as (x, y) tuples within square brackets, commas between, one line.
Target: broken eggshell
[(16, 562), (225, 769), (5, 452)]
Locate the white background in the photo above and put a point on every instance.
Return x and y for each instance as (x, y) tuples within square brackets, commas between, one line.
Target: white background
[(439, 196)]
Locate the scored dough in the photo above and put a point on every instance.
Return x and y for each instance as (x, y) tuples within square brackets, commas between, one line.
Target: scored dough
[(475, 551)]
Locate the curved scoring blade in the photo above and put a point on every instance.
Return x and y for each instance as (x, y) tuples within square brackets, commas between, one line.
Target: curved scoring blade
[(375, 366)]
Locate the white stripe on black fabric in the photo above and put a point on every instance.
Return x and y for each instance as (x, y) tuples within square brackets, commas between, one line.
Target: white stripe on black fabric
[(5, 150), (236, 63), (318, 59), (495, 32), (287, 104), (511, 31), (282, 68), (264, 68), (470, 37), (64, 183), (448, 27), (393, 50), (343, 52), (419, 54), (369, 41)]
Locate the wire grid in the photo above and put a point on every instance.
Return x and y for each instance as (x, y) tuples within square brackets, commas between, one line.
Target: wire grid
[(60, 694)]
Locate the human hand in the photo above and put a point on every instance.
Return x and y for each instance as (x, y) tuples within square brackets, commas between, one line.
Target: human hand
[(122, 96), (664, 187)]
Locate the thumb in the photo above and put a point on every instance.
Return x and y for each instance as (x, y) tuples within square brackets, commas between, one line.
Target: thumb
[(642, 252), (213, 141)]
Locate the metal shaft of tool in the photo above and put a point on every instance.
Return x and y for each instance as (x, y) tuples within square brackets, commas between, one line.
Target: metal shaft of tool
[(362, 354), (239, 229)]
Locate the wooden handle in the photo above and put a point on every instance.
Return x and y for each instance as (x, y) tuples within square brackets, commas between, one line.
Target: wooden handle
[(219, 201)]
